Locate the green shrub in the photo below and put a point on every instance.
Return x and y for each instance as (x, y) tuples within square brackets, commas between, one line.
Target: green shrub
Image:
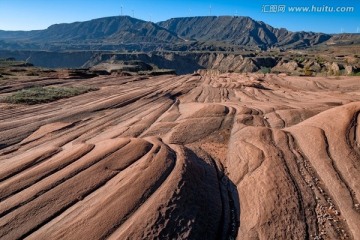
[(319, 59), (265, 70), (32, 74), (307, 71), (37, 95), (300, 59)]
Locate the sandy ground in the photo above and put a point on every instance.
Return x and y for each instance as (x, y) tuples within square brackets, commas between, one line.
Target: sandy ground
[(206, 156)]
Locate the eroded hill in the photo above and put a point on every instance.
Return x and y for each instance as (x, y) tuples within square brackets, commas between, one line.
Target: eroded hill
[(203, 156), (217, 33)]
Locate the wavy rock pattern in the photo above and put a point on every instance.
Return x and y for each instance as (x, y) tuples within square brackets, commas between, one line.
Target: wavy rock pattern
[(205, 156)]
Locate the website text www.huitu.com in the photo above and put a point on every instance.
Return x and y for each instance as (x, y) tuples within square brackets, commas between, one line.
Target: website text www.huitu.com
[(305, 9)]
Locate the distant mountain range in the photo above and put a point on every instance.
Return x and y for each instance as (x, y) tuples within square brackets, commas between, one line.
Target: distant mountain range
[(241, 31), (126, 33)]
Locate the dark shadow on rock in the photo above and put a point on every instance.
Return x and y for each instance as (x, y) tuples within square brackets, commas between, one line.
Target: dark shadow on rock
[(228, 197), (259, 86), (205, 205), (234, 203)]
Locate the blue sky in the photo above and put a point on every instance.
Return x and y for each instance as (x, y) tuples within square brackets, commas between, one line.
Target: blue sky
[(39, 14)]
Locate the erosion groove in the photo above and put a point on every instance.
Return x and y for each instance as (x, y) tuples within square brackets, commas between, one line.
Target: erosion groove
[(352, 133), (202, 156), (292, 171)]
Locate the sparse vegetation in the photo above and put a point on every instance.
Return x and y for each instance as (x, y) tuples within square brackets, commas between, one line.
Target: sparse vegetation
[(319, 59), (307, 71), (265, 70), (32, 74), (157, 72), (12, 62), (341, 72), (36, 95), (300, 59)]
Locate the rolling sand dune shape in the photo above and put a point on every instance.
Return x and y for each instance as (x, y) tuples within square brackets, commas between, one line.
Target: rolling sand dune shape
[(210, 156)]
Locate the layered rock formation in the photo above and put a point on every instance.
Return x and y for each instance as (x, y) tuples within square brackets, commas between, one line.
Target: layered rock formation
[(203, 156)]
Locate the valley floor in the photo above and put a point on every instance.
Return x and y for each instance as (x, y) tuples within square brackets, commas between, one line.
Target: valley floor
[(203, 156)]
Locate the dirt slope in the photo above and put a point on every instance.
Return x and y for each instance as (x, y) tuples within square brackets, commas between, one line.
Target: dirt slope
[(204, 156)]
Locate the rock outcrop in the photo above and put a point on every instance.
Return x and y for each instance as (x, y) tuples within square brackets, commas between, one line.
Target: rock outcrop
[(202, 156)]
